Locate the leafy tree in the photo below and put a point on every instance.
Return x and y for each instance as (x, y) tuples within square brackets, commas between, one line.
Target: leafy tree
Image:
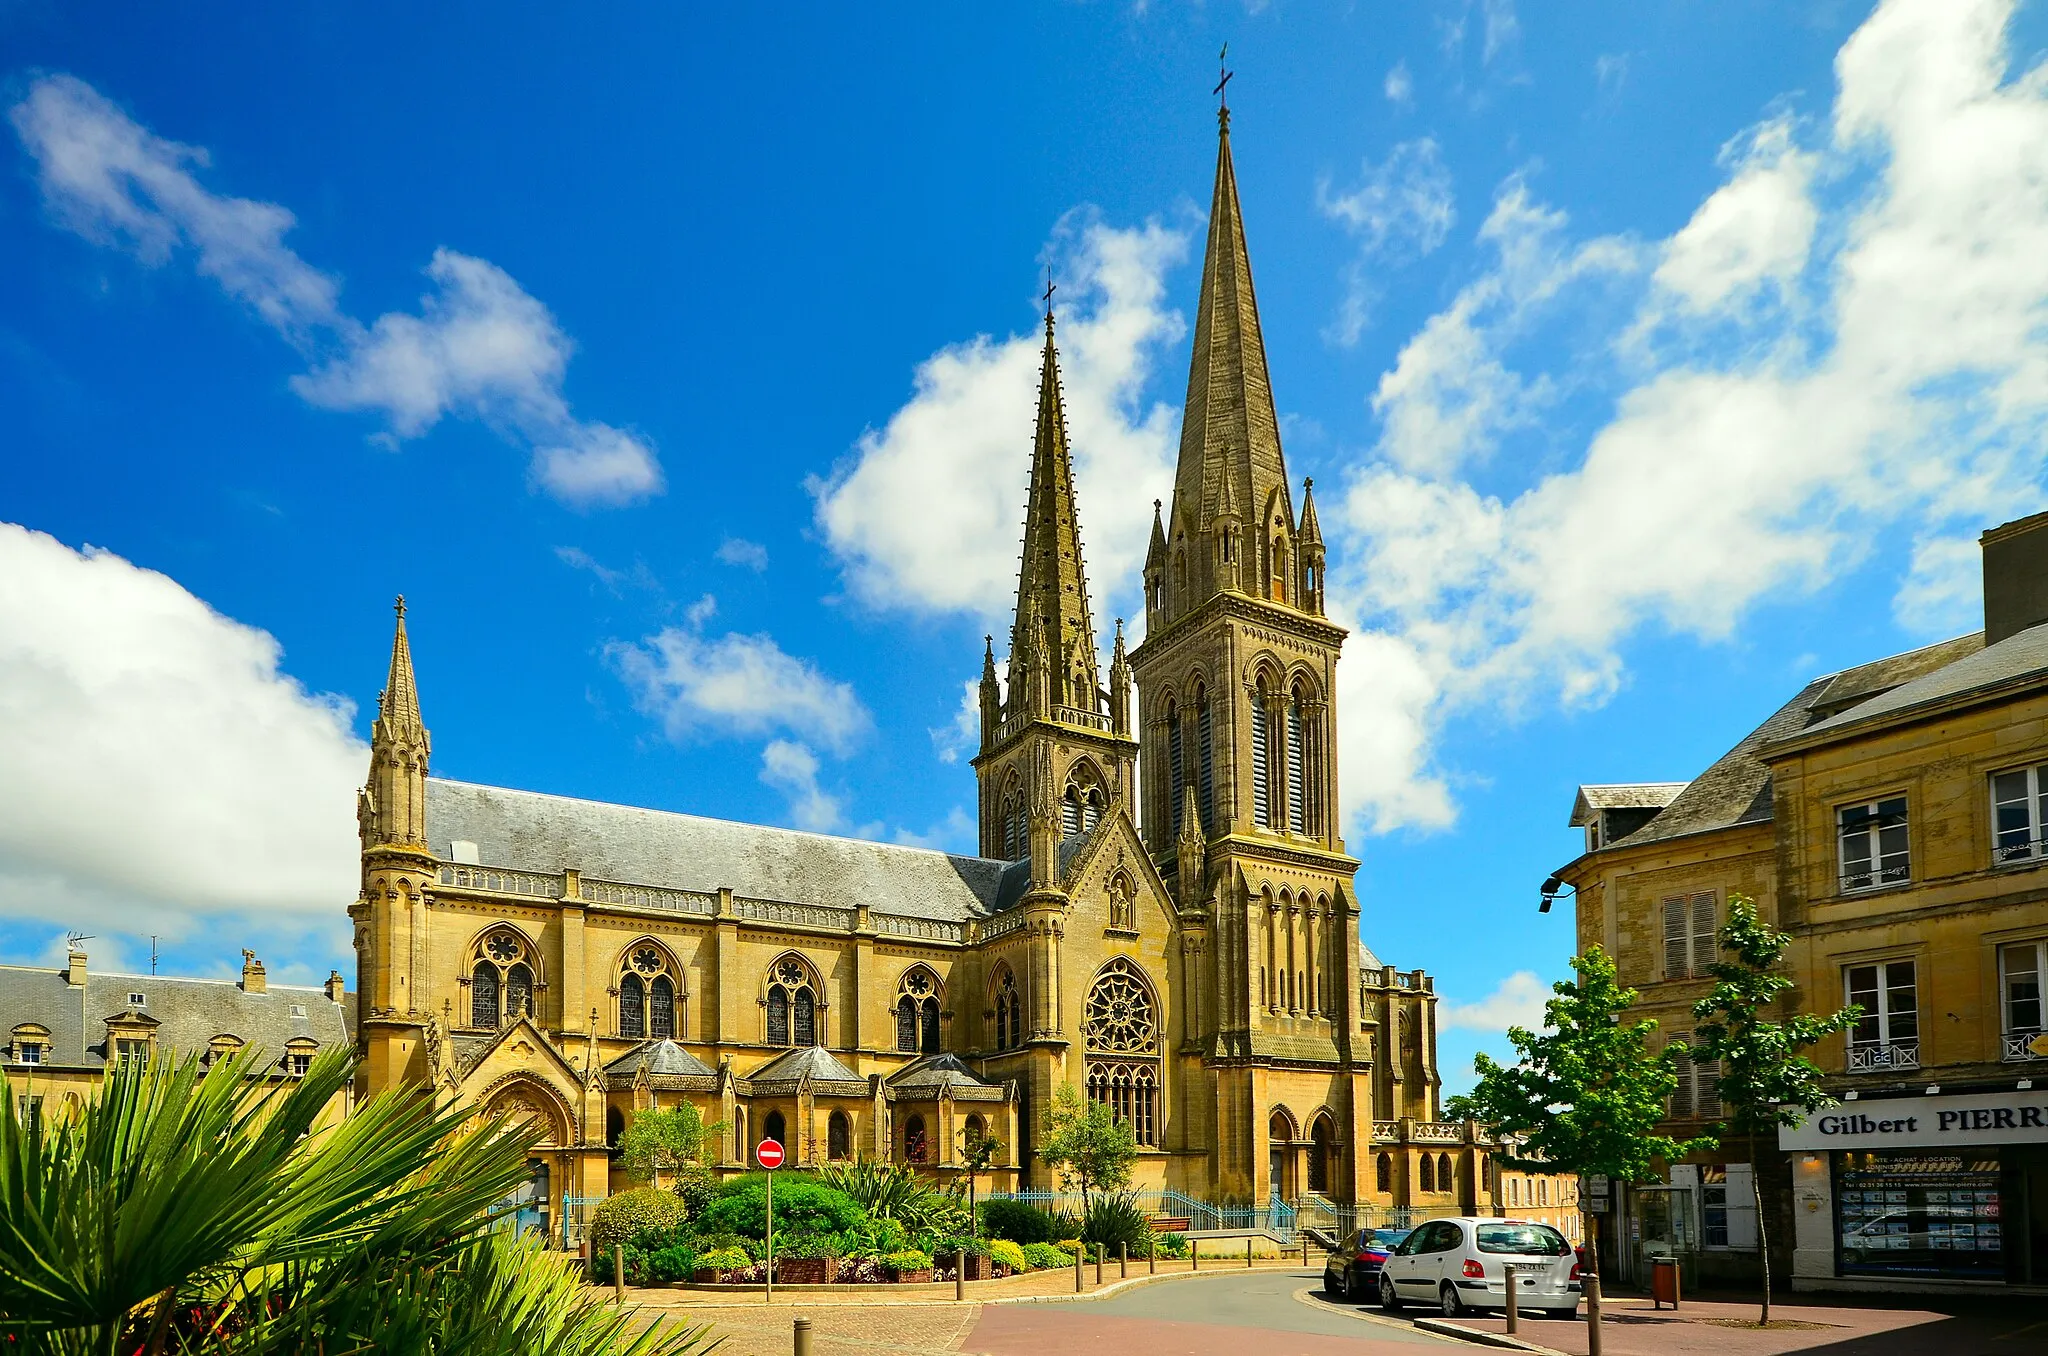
[(1086, 1143), (978, 1149), (658, 1141), (1585, 1095), (191, 1208), (1764, 1082)]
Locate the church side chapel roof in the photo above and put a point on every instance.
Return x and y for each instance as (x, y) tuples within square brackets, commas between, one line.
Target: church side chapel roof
[(935, 1071), (784, 1072), (529, 831), (659, 1057)]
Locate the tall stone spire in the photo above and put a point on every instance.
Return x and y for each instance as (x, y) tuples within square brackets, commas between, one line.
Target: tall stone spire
[(1052, 586), (393, 809), (1230, 458)]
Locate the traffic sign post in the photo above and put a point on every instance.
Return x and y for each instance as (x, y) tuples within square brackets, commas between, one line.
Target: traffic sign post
[(768, 1153)]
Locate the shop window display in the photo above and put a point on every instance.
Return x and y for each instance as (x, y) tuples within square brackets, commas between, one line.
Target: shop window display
[(1919, 1214)]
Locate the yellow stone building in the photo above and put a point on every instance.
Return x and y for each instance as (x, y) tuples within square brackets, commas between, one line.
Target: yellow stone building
[(1891, 818), (1161, 914)]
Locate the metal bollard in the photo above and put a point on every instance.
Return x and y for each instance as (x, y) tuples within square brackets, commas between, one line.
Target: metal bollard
[(803, 1337), (1123, 1260), (1078, 1284), (1098, 1263), (1152, 1257), (1195, 1254), (1304, 1249), (1247, 1252), (619, 1272), (1511, 1301), (960, 1273)]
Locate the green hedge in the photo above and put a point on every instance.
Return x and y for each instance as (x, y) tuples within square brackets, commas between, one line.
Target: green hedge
[(630, 1215), (1042, 1255), (1018, 1221)]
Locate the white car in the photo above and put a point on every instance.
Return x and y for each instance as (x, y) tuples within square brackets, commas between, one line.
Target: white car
[(1460, 1265)]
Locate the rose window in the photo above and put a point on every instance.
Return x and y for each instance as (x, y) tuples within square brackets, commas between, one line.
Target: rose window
[(1119, 1012), (502, 949), (647, 960)]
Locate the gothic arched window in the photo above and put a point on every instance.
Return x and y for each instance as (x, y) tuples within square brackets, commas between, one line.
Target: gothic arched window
[(914, 1146), (632, 1006), (1082, 804), (648, 991), (1176, 769), (792, 1004), (1015, 842), (1445, 1181), (1428, 1173), (839, 1137), (1321, 1154), (502, 964), (1009, 1010), (1383, 1173), (774, 1127), (1205, 772), (917, 1012), (1120, 1038), (1262, 758), (1297, 796)]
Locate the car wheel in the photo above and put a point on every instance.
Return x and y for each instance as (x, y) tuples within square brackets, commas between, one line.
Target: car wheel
[(1453, 1307), (1354, 1293), (1389, 1301), (1330, 1287)]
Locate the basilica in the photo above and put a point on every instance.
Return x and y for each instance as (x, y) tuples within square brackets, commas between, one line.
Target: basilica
[(1161, 914)]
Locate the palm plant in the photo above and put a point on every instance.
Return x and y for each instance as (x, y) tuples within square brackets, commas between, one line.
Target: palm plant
[(193, 1208), (894, 1191)]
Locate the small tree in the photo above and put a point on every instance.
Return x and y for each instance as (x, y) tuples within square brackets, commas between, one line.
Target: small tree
[(658, 1141), (978, 1150), (1087, 1144), (1585, 1095), (1763, 1080)]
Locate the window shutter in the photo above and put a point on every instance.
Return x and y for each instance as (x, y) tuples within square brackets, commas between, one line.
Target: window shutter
[(1675, 948), (1681, 1096), (1741, 1207), (1703, 939)]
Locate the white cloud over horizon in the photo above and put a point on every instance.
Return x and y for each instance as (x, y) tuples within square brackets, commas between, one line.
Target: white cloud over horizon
[(1401, 210), (1517, 1000), (927, 512), (480, 347), (164, 774)]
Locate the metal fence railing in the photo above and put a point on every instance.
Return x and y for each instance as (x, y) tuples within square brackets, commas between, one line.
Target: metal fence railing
[(1281, 1218)]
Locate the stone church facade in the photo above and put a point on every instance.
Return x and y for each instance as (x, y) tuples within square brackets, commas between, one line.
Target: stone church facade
[(1161, 913)]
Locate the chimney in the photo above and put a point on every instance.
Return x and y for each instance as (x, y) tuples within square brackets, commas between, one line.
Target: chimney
[(74, 973), (336, 986), (2015, 577), (254, 978)]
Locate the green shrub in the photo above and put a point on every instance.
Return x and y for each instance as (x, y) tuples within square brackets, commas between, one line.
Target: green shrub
[(696, 1187), (1007, 1254), (1116, 1219), (670, 1264), (809, 1245), (945, 1247), (725, 1259), (1065, 1224), (1072, 1247), (1046, 1255), (895, 1191), (801, 1207), (626, 1217), (1018, 1221), (910, 1259), (1171, 1245)]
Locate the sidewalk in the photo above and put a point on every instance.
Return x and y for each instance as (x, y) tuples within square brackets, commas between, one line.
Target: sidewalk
[(1032, 1285), (1717, 1327)]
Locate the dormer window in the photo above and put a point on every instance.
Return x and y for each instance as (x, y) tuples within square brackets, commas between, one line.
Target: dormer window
[(298, 1009), (298, 1057), (136, 1000), (31, 1044), (131, 1051), (29, 1053)]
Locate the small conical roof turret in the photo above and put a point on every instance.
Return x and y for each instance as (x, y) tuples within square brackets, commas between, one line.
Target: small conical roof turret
[(398, 706), (1311, 530)]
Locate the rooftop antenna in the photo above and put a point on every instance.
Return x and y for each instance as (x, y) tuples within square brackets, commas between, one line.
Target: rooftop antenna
[(75, 939), (152, 953), (1222, 91)]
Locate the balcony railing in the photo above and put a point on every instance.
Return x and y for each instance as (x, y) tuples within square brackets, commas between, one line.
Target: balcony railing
[(1884, 1057), (501, 880), (2025, 1045), (1877, 878)]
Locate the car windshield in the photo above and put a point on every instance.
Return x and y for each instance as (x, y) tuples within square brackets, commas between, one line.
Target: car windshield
[(1385, 1238), (1528, 1240)]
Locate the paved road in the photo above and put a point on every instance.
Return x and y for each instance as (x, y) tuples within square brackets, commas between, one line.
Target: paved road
[(1221, 1315)]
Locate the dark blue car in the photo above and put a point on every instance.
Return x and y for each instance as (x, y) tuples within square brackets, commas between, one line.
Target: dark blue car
[(1353, 1271)]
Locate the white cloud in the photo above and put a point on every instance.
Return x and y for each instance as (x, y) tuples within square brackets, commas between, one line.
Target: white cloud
[(1517, 1001), (1400, 85), (792, 769), (576, 558), (746, 554), (1503, 30), (926, 513), (480, 348), (736, 685), (1897, 377), (1402, 209), (163, 773), (963, 732)]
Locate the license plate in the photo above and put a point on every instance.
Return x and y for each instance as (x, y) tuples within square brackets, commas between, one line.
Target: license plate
[(1529, 1269)]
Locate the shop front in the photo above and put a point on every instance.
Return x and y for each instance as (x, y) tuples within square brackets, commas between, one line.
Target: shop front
[(1923, 1192)]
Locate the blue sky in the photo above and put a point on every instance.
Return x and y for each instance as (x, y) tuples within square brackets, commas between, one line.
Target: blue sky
[(678, 367)]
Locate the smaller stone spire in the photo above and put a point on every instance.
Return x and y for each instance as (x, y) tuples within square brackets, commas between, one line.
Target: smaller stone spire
[(1119, 685), (1311, 530), (1190, 851), (1312, 556), (398, 705), (991, 694), (392, 809)]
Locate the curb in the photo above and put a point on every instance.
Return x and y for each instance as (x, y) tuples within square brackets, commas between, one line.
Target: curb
[(850, 1298), (1479, 1337), (1315, 1300), (1109, 1288)]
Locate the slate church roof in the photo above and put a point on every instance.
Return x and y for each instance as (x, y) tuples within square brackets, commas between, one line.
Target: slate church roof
[(528, 831)]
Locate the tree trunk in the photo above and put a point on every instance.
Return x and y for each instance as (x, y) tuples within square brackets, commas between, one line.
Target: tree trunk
[(1763, 1238)]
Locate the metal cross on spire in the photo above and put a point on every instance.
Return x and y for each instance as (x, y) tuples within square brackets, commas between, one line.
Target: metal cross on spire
[(1222, 91), (1050, 288)]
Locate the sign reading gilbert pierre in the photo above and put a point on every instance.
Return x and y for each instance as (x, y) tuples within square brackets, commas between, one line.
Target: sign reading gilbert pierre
[(1924, 1122)]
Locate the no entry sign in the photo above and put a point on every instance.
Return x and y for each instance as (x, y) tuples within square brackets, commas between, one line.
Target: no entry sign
[(768, 1153)]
